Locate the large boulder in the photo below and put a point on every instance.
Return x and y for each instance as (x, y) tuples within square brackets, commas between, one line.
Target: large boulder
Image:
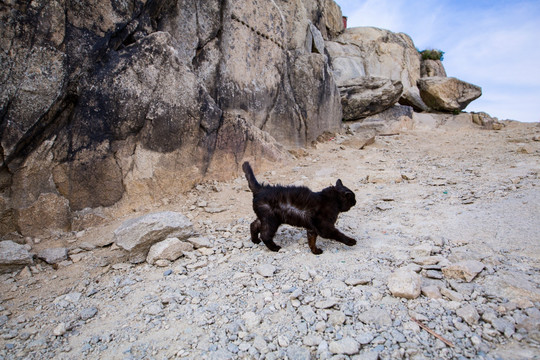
[(364, 96), (137, 235), (369, 51), (124, 103), (447, 93), (13, 256)]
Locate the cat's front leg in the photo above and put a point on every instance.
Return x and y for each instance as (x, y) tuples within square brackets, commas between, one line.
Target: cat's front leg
[(330, 232), (312, 239)]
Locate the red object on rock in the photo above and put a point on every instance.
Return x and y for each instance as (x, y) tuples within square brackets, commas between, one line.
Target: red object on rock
[(344, 22)]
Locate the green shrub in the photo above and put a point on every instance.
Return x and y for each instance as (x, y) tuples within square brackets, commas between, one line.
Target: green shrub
[(432, 54)]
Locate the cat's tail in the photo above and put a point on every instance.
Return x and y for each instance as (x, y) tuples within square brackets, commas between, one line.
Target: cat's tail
[(254, 185)]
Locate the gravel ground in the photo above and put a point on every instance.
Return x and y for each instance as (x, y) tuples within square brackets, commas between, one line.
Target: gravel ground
[(428, 202)]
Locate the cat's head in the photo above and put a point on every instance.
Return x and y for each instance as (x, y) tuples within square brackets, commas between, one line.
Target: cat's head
[(346, 197)]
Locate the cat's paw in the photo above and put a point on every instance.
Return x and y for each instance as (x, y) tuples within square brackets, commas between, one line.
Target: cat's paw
[(350, 242), (255, 240), (317, 251), (275, 248)]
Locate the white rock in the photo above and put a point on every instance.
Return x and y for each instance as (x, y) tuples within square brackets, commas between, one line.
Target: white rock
[(266, 270), (137, 235), (405, 283), (251, 320), (168, 249), (312, 340), (337, 318), (326, 304), (200, 242), (347, 346), (60, 329)]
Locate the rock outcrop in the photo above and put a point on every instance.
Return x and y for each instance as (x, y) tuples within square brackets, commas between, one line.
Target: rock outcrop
[(124, 103), (368, 51)]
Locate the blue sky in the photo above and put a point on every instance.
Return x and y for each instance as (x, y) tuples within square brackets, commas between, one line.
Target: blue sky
[(494, 44)]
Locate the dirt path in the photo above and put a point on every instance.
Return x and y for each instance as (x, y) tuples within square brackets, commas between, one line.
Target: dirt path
[(426, 200)]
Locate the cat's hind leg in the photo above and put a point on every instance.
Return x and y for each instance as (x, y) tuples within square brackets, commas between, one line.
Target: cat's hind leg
[(255, 229), (269, 226), (312, 239)]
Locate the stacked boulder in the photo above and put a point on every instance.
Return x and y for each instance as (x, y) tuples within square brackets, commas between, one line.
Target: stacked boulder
[(376, 69)]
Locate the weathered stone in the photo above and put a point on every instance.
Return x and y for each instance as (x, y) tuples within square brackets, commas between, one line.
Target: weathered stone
[(266, 270), (251, 320), (447, 93), (431, 291), (200, 242), (139, 234), (376, 315), (469, 314), (347, 346), (53, 255), (364, 96), (13, 256), (169, 249), (405, 283), (465, 270)]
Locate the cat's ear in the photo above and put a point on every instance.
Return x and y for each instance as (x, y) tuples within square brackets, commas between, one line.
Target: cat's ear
[(339, 183)]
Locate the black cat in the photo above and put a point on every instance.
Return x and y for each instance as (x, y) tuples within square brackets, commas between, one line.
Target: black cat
[(298, 206)]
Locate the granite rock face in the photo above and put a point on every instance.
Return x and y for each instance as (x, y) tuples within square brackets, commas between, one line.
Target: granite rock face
[(102, 103)]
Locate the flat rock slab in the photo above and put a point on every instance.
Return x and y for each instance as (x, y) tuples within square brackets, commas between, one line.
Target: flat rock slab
[(13, 256), (464, 270), (137, 235), (53, 255)]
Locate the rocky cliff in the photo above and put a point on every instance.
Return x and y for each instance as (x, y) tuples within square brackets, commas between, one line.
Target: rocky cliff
[(111, 102), (110, 105)]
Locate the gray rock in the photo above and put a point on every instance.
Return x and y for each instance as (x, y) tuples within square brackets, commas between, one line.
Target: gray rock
[(53, 255), (13, 256), (364, 96), (88, 313), (347, 346), (326, 304), (405, 283), (376, 315), (469, 314), (169, 249), (139, 234), (364, 338), (308, 314), (295, 352)]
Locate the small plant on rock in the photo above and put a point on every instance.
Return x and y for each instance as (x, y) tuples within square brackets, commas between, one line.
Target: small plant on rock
[(432, 54)]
